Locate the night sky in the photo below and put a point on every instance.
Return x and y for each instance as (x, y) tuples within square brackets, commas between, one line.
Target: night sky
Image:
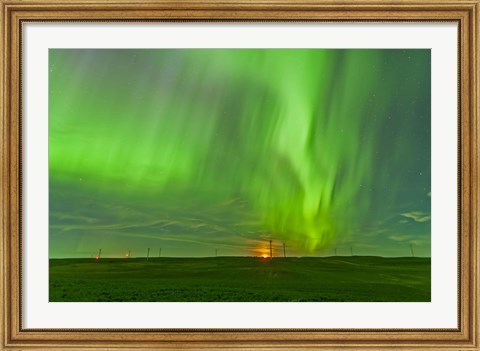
[(194, 150)]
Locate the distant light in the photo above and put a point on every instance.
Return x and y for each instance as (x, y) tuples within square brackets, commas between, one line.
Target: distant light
[(97, 258), (264, 256)]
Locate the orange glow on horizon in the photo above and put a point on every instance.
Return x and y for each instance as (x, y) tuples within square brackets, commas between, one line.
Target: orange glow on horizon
[(262, 250)]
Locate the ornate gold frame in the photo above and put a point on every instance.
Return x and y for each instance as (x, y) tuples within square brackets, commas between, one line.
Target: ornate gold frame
[(463, 12)]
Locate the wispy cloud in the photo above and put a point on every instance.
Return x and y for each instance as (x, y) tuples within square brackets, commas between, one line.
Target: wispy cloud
[(417, 216), (409, 238), (397, 237)]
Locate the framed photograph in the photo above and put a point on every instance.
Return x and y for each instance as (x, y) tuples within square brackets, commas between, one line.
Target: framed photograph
[(241, 175)]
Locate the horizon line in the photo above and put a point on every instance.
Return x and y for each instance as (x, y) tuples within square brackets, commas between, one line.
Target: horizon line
[(231, 256)]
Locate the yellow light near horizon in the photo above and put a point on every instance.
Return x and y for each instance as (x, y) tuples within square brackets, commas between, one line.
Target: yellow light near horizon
[(261, 250)]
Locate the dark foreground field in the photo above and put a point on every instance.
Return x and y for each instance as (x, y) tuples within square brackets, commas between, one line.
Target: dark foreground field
[(241, 279)]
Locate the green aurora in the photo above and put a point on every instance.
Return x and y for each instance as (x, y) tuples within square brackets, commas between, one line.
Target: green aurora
[(194, 150)]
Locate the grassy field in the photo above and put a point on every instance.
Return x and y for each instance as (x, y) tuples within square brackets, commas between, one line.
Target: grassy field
[(241, 279)]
